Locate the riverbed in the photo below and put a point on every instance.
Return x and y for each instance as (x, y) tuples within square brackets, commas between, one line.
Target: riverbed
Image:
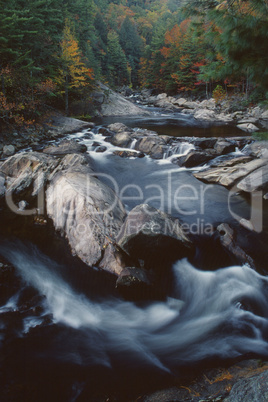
[(66, 335)]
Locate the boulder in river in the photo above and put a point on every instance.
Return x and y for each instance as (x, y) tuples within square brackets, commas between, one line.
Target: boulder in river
[(153, 236), (65, 147), (258, 149), (136, 284), (86, 211), (121, 139)]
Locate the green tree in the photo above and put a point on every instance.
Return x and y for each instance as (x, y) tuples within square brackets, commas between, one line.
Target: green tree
[(117, 61)]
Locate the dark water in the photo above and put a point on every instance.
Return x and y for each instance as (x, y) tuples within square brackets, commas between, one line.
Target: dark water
[(174, 124), (66, 335)]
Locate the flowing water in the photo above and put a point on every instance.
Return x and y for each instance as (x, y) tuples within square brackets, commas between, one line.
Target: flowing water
[(79, 341)]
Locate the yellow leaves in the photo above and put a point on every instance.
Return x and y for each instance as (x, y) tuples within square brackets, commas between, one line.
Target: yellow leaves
[(73, 69)]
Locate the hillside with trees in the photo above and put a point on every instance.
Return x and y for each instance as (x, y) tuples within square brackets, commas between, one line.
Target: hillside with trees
[(54, 52)]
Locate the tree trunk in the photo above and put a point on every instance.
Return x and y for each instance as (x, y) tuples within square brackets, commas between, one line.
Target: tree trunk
[(67, 95)]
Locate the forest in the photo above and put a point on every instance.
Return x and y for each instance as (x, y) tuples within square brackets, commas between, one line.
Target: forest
[(53, 52)]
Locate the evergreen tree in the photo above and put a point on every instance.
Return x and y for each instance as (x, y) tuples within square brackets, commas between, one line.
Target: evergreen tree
[(118, 68)]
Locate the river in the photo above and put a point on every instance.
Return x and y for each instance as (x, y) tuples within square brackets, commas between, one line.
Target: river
[(66, 335)]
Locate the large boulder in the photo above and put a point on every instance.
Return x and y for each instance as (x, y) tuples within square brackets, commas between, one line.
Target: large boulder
[(28, 168), (65, 147), (86, 211), (121, 139), (115, 104), (153, 236)]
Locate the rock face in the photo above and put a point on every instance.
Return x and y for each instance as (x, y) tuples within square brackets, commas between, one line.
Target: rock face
[(116, 105), (228, 176), (151, 235), (254, 389), (86, 211), (256, 181), (26, 169)]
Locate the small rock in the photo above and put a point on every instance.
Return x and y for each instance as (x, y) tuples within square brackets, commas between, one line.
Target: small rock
[(65, 147), (9, 150), (248, 127), (224, 147), (118, 127)]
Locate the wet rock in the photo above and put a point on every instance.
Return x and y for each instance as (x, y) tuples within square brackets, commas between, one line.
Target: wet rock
[(196, 158), (227, 239), (228, 176), (105, 131), (255, 181), (223, 147), (2, 185), (205, 143), (254, 389), (158, 151), (101, 149), (115, 260), (8, 150), (86, 211), (129, 154), (248, 127), (121, 139), (135, 283), (147, 144), (65, 147), (153, 236)]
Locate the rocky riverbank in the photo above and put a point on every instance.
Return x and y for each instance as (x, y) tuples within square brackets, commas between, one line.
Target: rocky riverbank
[(248, 119)]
